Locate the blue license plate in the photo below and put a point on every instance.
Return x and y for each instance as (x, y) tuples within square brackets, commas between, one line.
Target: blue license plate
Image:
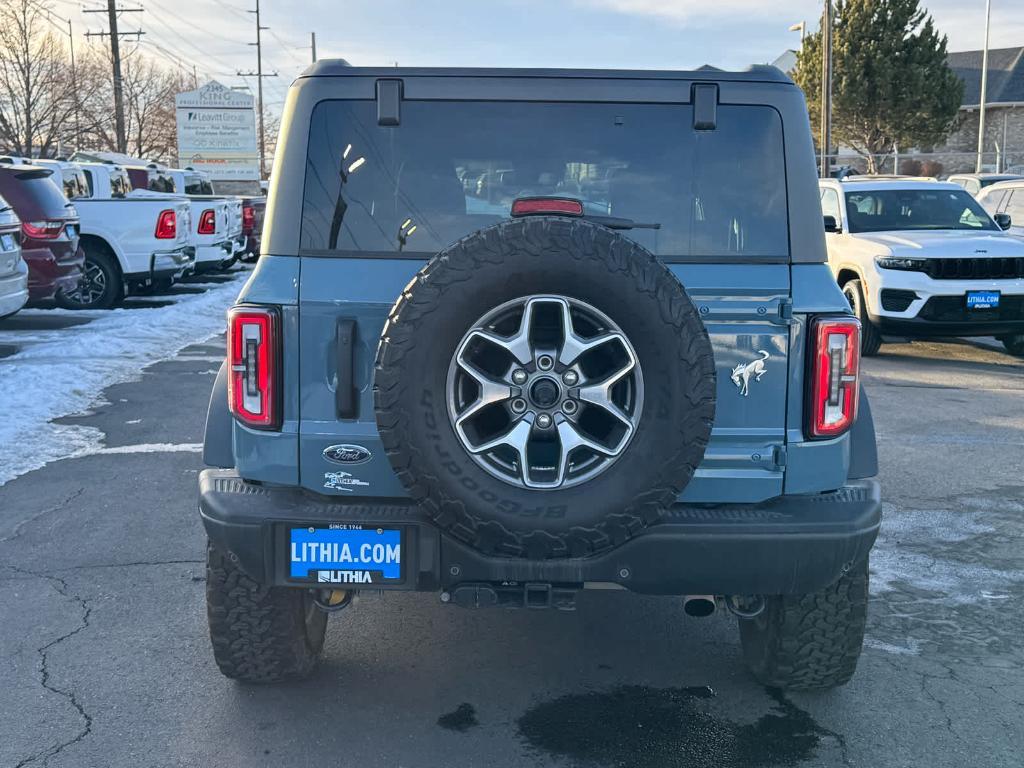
[(346, 554), (7, 243), (70, 229), (982, 299)]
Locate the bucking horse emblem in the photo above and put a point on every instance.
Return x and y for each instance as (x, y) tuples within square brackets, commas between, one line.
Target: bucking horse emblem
[(741, 373)]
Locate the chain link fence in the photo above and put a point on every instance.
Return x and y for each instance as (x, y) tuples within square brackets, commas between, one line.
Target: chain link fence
[(937, 164)]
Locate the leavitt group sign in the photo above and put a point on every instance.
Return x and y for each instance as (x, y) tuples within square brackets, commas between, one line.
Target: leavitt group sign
[(217, 132)]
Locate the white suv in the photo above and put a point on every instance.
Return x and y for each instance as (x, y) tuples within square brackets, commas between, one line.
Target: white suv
[(923, 258)]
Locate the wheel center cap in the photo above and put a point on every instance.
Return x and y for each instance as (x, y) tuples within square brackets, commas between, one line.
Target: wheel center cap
[(544, 392)]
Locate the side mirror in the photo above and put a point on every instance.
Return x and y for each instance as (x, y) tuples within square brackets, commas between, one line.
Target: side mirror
[(831, 226), (1002, 220)]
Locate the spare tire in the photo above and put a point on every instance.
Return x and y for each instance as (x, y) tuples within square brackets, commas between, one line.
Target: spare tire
[(544, 388)]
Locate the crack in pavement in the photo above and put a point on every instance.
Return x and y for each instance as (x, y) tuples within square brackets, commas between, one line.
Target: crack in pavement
[(134, 564), (61, 587), (19, 527)]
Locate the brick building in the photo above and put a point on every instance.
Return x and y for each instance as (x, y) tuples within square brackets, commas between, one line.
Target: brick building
[(1004, 112)]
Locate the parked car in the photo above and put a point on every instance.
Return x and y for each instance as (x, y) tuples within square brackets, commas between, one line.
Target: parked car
[(923, 259), (49, 228), (13, 269), (975, 182), (131, 244), (217, 219), (1006, 197), (508, 406), (69, 176), (230, 238)]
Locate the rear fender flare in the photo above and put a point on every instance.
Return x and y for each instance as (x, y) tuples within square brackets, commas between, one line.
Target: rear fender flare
[(217, 442), (863, 447)]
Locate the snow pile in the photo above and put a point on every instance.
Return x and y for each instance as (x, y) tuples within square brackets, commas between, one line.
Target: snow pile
[(65, 370)]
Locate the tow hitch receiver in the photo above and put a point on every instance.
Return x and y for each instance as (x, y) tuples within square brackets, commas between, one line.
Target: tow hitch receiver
[(512, 595)]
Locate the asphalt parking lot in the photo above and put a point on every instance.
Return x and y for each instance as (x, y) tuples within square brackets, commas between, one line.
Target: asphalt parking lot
[(107, 662)]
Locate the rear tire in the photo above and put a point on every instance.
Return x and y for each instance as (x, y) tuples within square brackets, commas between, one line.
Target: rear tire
[(260, 634), (809, 642), (101, 286), (870, 338), (1014, 344)]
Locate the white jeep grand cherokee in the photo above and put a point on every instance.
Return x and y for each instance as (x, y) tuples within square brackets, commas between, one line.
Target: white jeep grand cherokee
[(923, 258)]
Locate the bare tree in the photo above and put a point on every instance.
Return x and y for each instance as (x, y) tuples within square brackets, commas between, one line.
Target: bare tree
[(149, 89), (36, 93)]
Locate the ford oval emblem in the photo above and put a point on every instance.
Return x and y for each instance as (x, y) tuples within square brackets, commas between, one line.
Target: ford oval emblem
[(347, 454)]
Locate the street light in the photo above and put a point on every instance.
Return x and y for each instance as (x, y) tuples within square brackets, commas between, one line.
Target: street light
[(801, 27)]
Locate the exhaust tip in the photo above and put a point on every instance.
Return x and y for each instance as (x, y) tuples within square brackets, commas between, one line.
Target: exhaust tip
[(699, 606)]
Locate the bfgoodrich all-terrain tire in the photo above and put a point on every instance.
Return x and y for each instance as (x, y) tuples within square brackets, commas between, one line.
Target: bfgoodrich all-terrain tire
[(569, 264), (809, 642), (260, 634), (870, 338)]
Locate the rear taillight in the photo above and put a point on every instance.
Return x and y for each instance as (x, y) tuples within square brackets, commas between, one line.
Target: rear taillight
[(536, 206), (254, 366), (43, 230), (207, 222), (248, 219), (167, 225), (835, 387)]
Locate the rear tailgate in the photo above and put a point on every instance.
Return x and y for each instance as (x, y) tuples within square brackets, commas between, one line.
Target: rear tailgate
[(379, 199)]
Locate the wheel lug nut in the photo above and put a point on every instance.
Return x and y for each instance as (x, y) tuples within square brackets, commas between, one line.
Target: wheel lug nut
[(543, 421), (570, 378), (569, 406), (518, 405), (545, 363), (519, 376)]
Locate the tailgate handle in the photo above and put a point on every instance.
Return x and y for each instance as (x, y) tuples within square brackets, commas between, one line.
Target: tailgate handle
[(345, 395)]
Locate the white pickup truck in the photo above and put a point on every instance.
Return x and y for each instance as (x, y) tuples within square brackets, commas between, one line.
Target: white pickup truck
[(130, 243), (216, 249)]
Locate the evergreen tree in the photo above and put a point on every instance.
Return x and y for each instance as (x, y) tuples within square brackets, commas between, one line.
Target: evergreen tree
[(890, 82)]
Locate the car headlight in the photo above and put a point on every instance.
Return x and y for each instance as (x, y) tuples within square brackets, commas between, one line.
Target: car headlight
[(900, 262)]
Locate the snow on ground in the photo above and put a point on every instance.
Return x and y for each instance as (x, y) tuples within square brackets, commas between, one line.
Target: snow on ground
[(64, 370)]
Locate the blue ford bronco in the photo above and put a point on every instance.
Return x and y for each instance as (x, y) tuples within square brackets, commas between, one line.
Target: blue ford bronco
[(520, 333)]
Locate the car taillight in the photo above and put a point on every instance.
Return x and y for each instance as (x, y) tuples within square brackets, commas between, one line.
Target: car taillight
[(207, 222), (167, 225), (534, 206), (248, 219), (835, 387), (254, 366), (43, 230)]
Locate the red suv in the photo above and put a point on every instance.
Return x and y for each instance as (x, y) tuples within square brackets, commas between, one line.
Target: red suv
[(49, 228)]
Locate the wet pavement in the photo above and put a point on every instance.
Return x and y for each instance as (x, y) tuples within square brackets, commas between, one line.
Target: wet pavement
[(107, 663)]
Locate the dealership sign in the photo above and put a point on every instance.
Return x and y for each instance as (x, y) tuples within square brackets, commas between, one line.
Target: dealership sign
[(217, 132)]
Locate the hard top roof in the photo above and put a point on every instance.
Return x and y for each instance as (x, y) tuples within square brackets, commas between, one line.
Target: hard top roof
[(755, 73)]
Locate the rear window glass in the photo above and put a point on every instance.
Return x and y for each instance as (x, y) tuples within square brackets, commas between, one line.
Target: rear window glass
[(34, 190), (197, 185), (451, 168)]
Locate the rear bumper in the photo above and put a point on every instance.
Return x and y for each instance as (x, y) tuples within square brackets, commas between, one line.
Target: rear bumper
[(212, 257), (790, 545), (14, 290), (49, 272), (165, 264)]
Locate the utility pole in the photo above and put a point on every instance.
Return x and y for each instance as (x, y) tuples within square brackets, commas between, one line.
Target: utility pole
[(112, 12), (984, 85), (74, 87), (826, 88), (312, 44), (258, 74)]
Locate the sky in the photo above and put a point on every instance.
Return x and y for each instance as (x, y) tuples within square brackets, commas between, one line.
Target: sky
[(628, 34)]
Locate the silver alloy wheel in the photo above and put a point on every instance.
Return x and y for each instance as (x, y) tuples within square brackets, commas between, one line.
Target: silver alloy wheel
[(529, 350), (92, 285)]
